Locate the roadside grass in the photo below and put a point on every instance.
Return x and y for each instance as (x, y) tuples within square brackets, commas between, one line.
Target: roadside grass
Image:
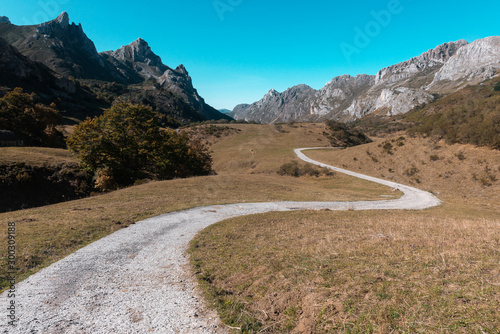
[(47, 234), (431, 271), (434, 271)]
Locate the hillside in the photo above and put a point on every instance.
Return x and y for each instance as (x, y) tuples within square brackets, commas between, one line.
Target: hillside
[(367, 272), (469, 116)]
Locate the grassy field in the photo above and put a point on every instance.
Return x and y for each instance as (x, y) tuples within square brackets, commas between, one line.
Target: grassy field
[(47, 234), (34, 156), (431, 271)]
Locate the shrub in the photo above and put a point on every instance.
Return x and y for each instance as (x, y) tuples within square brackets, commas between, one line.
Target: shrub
[(461, 156), (294, 169), (341, 135), (411, 171), (126, 144), (497, 87), (387, 147)]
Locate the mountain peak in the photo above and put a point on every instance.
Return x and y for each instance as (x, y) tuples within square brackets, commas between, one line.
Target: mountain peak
[(4, 19), (139, 58), (181, 69), (140, 41), (63, 19)]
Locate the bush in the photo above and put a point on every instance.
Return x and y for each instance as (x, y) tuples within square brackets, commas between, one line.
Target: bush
[(497, 87), (126, 144), (341, 135), (294, 169)]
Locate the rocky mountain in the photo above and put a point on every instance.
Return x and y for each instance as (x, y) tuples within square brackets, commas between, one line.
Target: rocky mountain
[(18, 70), (277, 107), (61, 46), (394, 90), (66, 50)]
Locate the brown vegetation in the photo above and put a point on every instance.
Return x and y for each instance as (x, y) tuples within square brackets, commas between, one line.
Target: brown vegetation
[(434, 271)]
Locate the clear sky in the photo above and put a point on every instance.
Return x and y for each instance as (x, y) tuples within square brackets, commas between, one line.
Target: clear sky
[(236, 50)]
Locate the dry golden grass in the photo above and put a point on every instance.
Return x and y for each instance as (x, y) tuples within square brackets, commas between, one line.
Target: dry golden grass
[(353, 272), (433, 271), (263, 148), (457, 173), (35, 156), (47, 234)]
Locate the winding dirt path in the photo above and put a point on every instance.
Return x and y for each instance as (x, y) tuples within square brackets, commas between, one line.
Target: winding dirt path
[(136, 280)]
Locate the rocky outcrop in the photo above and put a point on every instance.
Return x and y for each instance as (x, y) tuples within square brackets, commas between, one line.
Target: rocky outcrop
[(136, 61), (339, 94), (393, 90), (179, 82), (475, 62)]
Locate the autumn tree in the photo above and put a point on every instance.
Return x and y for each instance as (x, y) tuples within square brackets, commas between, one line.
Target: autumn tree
[(35, 122), (126, 144), (342, 135)]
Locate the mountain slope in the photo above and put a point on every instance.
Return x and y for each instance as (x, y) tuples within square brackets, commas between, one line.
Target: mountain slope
[(18, 70)]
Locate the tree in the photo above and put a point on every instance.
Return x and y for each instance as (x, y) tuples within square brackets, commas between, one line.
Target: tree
[(341, 135), (126, 144), (36, 123), (497, 87)]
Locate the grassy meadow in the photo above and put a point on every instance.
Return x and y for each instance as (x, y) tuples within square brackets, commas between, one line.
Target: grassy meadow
[(47, 234), (430, 271)]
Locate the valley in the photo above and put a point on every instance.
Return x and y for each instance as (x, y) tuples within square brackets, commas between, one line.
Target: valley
[(370, 205), (246, 161)]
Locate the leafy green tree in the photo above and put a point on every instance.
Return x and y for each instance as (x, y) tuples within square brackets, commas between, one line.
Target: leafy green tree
[(36, 123), (126, 144)]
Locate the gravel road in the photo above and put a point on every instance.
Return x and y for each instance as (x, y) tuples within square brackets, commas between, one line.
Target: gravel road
[(136, 280)]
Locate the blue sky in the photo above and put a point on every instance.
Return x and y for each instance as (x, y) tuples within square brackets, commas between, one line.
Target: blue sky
[(236, 50)]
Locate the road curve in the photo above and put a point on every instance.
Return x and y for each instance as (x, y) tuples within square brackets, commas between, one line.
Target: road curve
[(136, 279)]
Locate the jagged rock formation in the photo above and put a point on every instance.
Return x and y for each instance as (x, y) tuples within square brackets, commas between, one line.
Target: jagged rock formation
[(393, 90), (66, 49), (475, 62), (61, 46), (136, 61)]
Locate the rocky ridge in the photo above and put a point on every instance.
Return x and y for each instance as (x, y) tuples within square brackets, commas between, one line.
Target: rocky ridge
[(393, 90), (66, 50)]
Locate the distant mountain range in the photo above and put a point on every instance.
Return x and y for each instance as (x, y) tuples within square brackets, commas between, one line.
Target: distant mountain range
[(50, 57), (393, 90)]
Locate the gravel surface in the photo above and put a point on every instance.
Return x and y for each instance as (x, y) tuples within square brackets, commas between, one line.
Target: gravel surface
[(137, 279)]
